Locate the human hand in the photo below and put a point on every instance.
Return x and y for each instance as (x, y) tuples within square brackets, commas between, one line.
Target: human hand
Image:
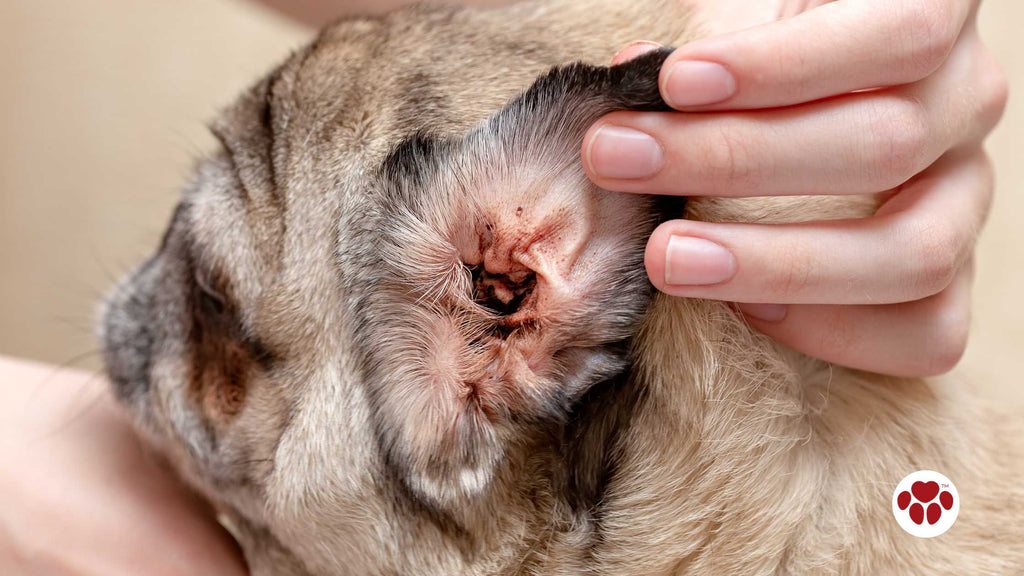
[(78, 495), (785, 111)]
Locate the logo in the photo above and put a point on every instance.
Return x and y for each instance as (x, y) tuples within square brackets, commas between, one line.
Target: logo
[(925, 504)]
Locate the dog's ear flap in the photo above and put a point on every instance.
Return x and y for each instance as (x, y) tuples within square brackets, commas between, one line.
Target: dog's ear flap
[(634, 84), (550, 117), (463, 389)]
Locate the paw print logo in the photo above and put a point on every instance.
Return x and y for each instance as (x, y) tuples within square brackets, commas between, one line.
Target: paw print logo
[(925, 504)]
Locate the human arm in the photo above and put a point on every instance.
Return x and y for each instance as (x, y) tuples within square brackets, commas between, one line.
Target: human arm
[(80, 495)]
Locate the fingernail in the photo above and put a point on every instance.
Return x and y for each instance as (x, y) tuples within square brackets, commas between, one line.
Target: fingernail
[(694, 83), (617, 152), (634, 50), (764, 312), (693, 261)]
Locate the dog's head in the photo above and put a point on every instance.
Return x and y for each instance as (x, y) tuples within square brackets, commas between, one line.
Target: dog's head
[(372, 309)]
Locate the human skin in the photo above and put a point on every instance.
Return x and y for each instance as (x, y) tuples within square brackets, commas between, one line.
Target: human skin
[(773, 103), (80, 495), (890, 293)]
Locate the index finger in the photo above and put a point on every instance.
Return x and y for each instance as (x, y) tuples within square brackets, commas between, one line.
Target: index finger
[(833, 49)]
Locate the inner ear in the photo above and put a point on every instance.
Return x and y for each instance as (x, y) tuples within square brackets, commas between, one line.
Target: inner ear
[(507, 282)]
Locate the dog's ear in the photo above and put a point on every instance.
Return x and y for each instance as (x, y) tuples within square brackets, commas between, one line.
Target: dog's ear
[(508, 283)]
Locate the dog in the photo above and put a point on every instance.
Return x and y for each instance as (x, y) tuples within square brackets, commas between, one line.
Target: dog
[(392, 328)]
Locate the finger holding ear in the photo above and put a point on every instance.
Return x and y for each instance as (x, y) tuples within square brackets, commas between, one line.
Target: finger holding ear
[(915, 339), (852, 144), (889, 293), (910, 249)]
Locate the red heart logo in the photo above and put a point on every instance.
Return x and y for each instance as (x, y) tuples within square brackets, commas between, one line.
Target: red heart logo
[(925, 491)]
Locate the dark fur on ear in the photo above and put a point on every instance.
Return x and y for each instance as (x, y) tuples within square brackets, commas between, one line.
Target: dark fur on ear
[(566, 98), (581, 88)]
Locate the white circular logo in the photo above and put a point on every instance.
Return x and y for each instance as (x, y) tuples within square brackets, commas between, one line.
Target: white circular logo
[(925, 504)]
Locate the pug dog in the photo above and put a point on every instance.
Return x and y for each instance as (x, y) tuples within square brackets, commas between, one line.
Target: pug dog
[(393, 329)]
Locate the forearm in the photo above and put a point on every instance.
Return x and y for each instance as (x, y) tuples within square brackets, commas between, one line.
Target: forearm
[(80, 495), (37, 400)]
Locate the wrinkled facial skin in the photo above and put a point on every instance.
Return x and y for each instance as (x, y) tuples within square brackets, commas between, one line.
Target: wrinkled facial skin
[(387, 320)]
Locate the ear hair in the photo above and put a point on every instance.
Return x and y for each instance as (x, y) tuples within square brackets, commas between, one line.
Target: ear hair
[(563, 103)]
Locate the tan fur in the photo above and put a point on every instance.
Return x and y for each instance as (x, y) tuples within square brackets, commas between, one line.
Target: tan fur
[(738, 457)]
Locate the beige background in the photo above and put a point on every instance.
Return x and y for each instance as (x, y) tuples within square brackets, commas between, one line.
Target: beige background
[(102, 107)]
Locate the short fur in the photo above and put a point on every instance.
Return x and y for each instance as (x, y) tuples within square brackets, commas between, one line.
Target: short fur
[(393, 329)]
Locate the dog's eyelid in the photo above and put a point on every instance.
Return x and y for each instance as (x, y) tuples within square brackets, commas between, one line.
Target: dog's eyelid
[(217, 298)]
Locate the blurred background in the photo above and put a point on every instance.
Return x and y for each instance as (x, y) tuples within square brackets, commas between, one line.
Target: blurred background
[(103, 105)]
